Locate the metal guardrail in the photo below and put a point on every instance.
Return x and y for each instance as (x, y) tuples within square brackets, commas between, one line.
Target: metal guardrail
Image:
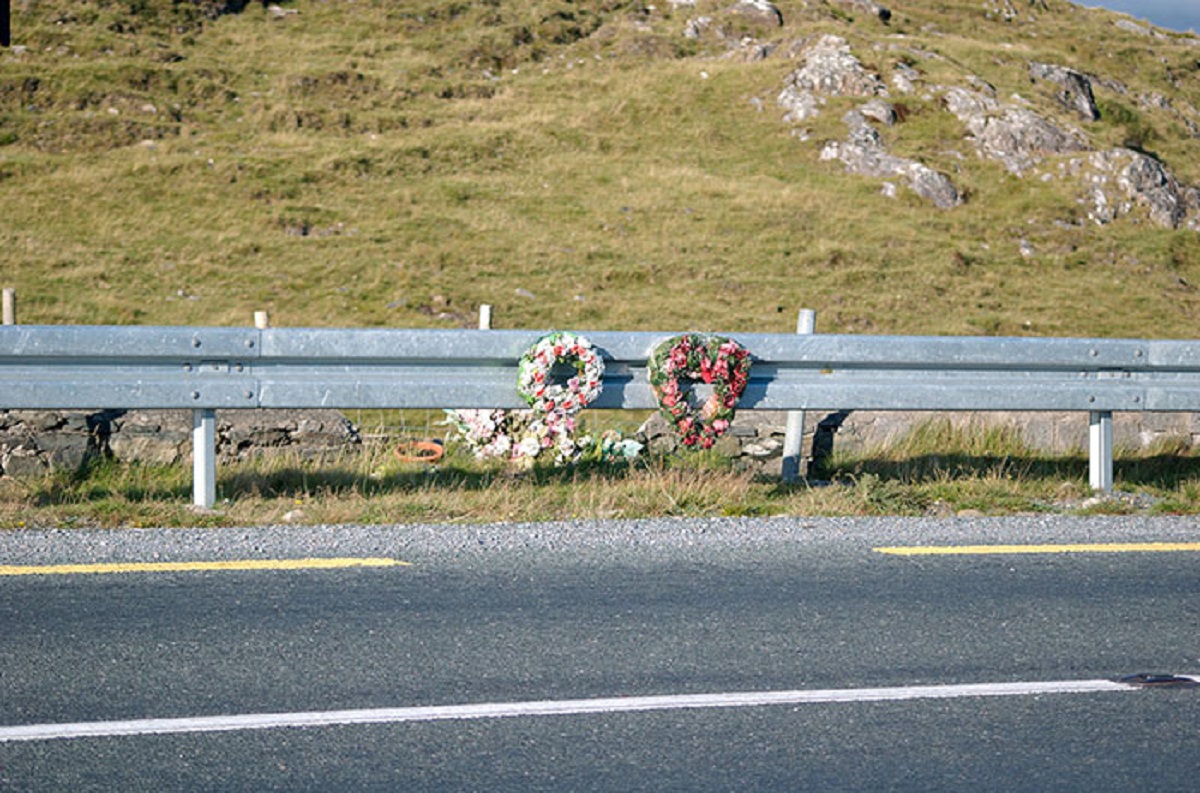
[(207, 369)]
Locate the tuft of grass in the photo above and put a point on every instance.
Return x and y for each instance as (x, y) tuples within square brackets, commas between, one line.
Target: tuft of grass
[(939, 468)]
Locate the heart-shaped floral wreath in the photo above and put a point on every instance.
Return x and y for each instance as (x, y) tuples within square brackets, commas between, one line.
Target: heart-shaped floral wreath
[(536, 385), (716, 360)]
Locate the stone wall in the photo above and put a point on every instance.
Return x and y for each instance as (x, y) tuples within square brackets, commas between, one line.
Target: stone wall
[(756, 438), (1054, 433), (32, 442)]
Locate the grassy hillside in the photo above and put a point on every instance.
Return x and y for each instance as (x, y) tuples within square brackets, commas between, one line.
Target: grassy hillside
[(575, 163), (588, 164)]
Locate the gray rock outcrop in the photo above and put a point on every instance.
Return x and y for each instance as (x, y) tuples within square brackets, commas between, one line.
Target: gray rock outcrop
[(829, 69), (737, 26), (1015, 136), (863, 153), (1117, 181), (1075, 92), (799, 104), (879, 110), (759, 12), (1013, 132), (694, 28)]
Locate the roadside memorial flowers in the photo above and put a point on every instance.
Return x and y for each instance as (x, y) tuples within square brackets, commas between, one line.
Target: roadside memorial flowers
[(715, 360), (519, 436), (522, 438), (535, 381), (547, 428), (609, 447)]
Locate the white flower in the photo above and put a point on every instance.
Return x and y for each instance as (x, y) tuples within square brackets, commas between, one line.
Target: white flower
[(528, 447), (497, 448)]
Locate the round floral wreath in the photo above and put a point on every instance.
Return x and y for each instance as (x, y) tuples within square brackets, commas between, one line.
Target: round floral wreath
[(722, 362), (536, 386)]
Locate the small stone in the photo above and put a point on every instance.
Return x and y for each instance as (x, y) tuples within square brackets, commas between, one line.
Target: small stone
[(771, 468), (767, 447), (728, 446), (879, 110), (761, 12), (22, 463), (867, 7)]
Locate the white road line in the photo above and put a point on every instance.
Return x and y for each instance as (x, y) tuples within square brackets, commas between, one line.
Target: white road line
[(568, 707)]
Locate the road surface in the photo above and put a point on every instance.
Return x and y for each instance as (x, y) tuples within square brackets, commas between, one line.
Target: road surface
[(737, 654)]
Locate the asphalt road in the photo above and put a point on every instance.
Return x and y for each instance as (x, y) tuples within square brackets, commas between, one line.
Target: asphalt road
[(590, 611)]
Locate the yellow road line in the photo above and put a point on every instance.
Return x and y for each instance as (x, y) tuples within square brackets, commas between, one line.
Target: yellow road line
[(964, 550), (191, 567)]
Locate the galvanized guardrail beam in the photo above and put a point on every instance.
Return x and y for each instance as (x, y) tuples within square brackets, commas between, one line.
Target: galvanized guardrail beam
[(206, 369)]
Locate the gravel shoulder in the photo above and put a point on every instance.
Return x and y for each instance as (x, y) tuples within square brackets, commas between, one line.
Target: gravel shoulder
[(644, 540)]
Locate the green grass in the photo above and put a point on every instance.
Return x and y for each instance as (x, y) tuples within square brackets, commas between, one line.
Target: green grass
[(375, 163), (936, 470)]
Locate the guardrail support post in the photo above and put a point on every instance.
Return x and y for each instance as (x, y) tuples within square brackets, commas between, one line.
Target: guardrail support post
[(1100, 450), (793, 439), (10, 306), (204, 458)]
